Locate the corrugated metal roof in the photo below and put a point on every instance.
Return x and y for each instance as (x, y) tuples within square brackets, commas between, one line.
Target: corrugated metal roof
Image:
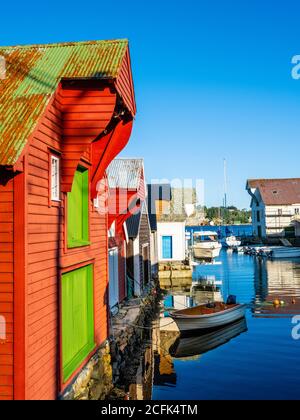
[(32, 75), (125, 173), (277, 191)]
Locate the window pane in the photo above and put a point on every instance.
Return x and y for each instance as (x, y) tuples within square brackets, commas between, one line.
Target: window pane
[(54, 178)]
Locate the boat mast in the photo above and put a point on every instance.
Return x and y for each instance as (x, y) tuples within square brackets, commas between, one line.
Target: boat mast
[(225, 190), (225, 184)]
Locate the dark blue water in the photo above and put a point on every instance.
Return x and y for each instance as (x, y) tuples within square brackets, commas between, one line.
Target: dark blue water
[(260, 363)]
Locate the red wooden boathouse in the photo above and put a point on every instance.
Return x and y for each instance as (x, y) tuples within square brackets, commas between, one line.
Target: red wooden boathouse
[(66, 111), (127, 191)]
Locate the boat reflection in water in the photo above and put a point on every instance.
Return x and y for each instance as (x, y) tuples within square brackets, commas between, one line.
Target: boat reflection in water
[(196, 345)]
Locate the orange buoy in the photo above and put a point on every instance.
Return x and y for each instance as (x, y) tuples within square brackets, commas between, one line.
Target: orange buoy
[(276, 302)]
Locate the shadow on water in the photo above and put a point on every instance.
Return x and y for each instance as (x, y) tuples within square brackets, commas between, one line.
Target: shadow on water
[(254, 358)]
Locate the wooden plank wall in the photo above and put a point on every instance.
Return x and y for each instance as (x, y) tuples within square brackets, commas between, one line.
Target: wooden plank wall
[(145, 239), (44, 233), (6, 289), (48, 254)]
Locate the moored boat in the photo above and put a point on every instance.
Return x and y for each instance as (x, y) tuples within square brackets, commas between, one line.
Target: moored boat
[(231, 242), (206, 317), (206, 246)]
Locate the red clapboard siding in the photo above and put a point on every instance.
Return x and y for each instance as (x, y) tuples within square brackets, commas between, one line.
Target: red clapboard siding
[(81, 108), (43, 242), (47, 252), (6, 289), (124, 84)]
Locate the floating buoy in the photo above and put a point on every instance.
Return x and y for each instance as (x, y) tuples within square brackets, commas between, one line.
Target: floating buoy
[(276, 302), (282, 302)]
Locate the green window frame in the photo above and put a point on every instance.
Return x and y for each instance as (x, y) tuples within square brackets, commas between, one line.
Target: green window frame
[(77, 318), (78, 210)]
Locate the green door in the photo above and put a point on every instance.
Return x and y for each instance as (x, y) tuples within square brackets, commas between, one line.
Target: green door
[(78, 210), (77, 318)]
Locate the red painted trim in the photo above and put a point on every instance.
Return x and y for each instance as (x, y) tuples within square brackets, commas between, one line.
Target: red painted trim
[(73, 267), (106, 149), (68, 251), (20, 284)]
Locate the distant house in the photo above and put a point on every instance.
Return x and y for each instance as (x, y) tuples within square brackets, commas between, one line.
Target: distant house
[(171, 213), (67, 110), (127, 192), (275, 205), (171, 241), (139, 250), (151, 203)]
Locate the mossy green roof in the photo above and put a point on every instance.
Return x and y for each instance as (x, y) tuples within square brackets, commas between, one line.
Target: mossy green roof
[(33, 73)]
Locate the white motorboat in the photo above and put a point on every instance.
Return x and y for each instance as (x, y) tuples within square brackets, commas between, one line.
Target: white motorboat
[(206, 245), (204, 317), (231, 242)]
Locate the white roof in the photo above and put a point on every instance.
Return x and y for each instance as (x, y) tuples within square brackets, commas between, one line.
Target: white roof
[(206, 233)]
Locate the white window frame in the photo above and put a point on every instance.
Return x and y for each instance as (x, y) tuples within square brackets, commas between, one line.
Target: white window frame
[(55, 178)]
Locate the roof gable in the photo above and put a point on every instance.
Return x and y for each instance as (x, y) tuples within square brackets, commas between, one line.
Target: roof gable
[(277, 191), (33, 74), (125, 173)]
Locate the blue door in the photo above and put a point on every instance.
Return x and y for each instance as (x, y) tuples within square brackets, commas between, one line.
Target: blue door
[(167, 247)]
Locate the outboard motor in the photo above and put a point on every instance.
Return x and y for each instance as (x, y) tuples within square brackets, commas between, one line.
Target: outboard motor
[(231, 300)]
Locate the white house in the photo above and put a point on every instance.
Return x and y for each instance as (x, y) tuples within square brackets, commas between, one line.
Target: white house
[(171, 241), (275, 205)]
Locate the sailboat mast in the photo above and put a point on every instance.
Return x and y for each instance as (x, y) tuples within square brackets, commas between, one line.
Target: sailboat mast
[(225, 184)]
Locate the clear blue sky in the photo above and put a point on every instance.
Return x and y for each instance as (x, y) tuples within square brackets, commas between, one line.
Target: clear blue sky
[(212, 78)]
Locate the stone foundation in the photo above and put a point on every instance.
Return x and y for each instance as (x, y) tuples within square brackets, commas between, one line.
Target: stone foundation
[(116, 362), (95, 381), (175, 270), (131, 331)]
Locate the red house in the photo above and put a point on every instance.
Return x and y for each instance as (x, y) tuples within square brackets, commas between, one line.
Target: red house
[(66, 111), (127, 191)]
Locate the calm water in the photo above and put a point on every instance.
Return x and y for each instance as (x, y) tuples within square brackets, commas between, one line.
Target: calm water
[(254, 360), (237, 230)]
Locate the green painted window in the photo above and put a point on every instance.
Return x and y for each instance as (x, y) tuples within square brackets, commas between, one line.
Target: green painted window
[(78, 210), (77, 318)]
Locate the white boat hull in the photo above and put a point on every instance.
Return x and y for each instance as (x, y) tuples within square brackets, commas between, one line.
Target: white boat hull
[(231, 242), (202, 252), (204, 322)]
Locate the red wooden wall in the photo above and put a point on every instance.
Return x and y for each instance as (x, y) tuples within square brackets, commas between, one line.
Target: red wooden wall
[(33, 251), (72, 121), (47, 252), (6, 289)]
